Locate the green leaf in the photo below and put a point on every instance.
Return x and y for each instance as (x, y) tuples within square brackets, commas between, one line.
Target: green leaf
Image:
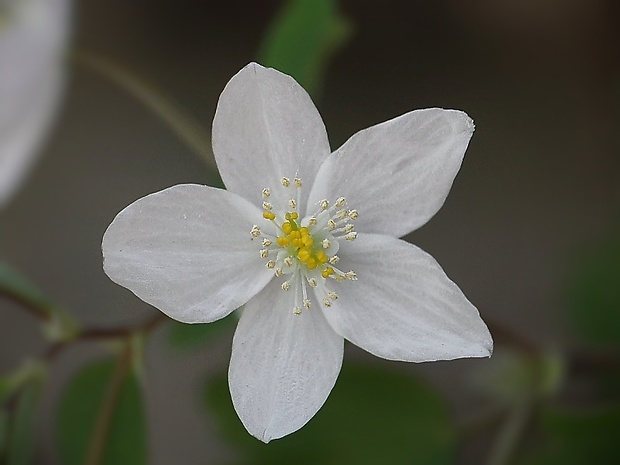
[(303, 38), (595, 294), (372, 416), (184, 336), (21, 434), (104, 394), (4, 433), (576, 438)]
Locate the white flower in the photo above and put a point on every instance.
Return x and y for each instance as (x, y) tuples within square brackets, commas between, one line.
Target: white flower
[(308, 242), (33, 38)]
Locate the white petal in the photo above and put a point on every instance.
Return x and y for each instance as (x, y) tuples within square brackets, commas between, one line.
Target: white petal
[(33, 38), (188, 251), (266, 128), (397, 174), (283, 366), (21, 138), (403, 306)]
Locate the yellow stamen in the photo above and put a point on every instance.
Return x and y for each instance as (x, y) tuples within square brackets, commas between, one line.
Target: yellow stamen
[(327, 272)]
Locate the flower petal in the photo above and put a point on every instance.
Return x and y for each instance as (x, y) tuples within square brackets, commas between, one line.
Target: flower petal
[(33, 39), (283, 366), (266, 128), (397, 174), (188, 251), (403, 306)]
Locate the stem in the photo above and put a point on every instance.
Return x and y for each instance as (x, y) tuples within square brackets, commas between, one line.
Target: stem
[(29, 306), (104, 418), (116, 333), (510, 434), (507, 336), (106, 333), (187, 128)]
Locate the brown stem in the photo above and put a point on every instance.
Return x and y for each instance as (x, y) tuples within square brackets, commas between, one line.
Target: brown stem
[(114, 333), (105, 333), (27, 305), (111, 396)]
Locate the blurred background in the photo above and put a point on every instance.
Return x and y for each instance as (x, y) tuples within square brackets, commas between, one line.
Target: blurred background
[(103, 102)]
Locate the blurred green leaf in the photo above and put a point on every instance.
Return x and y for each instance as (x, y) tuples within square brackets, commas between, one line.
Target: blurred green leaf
[(19, 397), (577, 438), (21, 435), (16, 286), (303, 38), (6, 388), (372, 416), (4, 433), (185, 336), (80, 414), (595, 294)]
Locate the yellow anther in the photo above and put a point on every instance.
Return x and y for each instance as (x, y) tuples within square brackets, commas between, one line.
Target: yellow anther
[(287, 228), (278, 272), (303, 254), (286, 182), (266, 242), (283, 241), (255, 231), (307, 240), (321, 257), (353, 214), (327, 272), (324, 204), (268, 215), (271, 264), (340, 202), (294, 215), (264, 253), (297, 182), (311, 264)]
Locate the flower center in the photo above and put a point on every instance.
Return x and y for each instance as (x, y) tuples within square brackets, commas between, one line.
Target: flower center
[(303, 250)]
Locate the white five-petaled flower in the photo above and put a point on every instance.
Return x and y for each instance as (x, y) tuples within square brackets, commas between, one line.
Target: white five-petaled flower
[(307, 241)]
